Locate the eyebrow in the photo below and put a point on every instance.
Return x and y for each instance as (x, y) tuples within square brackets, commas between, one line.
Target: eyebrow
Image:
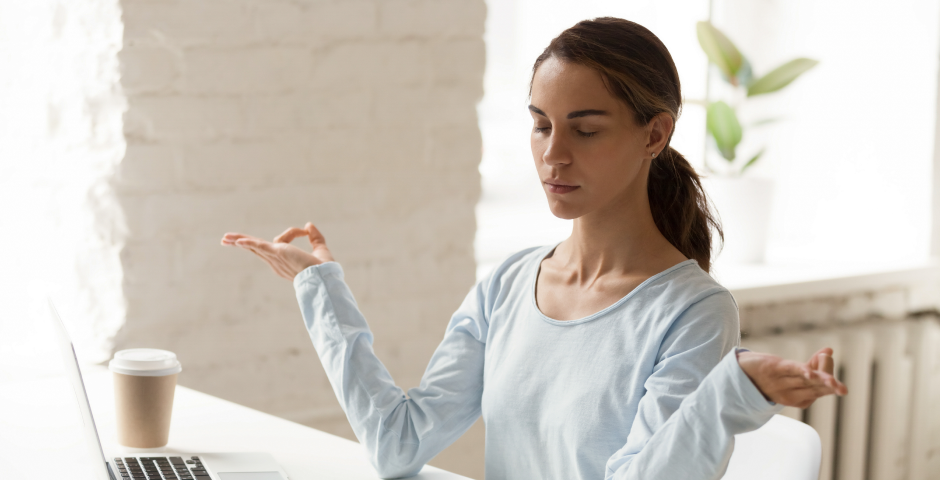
[(576, 114)]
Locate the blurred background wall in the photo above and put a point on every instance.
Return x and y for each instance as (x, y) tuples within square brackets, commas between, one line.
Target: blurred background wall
[(254, 116), (248, 116), (60, 143)]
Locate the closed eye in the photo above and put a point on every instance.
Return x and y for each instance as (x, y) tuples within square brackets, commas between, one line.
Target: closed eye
[(586, 134)]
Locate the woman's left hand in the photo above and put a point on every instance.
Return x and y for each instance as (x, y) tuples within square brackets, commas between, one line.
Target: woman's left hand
[(790, 383)]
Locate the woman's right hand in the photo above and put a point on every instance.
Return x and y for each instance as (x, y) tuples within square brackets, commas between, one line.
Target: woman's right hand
[(285, 259)]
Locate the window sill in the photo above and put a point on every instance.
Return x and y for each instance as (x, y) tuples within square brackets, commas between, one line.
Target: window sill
[(772, 283)]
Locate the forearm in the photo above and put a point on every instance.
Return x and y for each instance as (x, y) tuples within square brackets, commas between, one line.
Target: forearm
[(401, 432), (696, 442), (362, 384)]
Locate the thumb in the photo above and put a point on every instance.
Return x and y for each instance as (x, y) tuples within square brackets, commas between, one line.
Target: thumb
[(318, 243), (314, 235), (826, 363)]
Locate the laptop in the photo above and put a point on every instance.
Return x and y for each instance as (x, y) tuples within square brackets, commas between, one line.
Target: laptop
[(151, 466)]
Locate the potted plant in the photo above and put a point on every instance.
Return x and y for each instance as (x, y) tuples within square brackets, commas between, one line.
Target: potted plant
[(743, 202)]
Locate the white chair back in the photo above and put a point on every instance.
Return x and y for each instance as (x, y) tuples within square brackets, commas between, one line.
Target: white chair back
[(783, 449)]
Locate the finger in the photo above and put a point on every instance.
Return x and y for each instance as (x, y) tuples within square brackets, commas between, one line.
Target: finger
[(806, 396), (813, 362), (826, 363), (256, 243), (809, 379), (823, 390), (789, 368), (816, 379), (235, 236), (792, 383), (832, 382), (315, 236), (290, 234), (231, 238), (841, 389), (794, 375), (814, 359)]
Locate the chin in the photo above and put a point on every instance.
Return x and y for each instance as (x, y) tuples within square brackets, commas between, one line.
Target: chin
[(564, 211)]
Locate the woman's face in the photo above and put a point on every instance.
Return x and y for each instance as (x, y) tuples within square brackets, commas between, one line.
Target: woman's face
[(589, 151)]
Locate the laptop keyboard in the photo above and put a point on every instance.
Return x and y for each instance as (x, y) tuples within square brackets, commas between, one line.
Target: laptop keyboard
[(160, 468)]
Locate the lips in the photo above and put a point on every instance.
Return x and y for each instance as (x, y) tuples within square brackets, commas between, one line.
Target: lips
[(558, 186)]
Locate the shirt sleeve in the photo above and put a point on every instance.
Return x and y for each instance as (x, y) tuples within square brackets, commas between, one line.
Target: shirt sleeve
[(400, 432), (696, 400)]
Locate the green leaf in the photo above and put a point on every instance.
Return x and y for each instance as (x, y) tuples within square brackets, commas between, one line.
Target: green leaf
[(720, 51), (723, 125), (752, 160), (781, 76)]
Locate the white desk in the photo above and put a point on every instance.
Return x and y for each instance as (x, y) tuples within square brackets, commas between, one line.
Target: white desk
[(203, 423)]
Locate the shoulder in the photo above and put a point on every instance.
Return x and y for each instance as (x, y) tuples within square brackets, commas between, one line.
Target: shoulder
[(686, 293), (515, 266), (686, 284), (510, 277), (688, 308)]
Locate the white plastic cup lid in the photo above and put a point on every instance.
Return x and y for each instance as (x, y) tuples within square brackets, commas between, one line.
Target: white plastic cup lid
[(145, 362)]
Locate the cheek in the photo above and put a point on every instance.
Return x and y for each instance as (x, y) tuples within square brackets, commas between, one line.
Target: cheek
[(614, 167), (613, 158), (538, 147)]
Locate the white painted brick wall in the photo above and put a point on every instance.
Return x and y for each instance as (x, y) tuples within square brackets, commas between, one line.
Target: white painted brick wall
[(253, 116), (60, 143)]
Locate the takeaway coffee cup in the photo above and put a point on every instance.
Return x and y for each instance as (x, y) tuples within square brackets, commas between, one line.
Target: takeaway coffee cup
[(144, 383)]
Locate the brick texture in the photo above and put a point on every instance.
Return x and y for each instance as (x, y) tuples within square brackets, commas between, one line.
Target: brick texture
[(253, 116), (60, 144)]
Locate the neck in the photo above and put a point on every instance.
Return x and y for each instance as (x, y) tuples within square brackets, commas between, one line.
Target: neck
[(620, 238)]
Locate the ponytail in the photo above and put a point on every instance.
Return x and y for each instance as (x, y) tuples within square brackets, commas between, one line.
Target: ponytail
[(680, 207), (638, 69)]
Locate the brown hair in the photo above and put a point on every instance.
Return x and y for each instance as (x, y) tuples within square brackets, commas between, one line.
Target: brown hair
[(638, 69)]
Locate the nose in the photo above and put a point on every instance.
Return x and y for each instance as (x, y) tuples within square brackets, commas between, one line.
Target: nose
[(557, 151)]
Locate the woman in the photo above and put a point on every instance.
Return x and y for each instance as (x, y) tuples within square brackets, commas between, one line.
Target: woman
[(609, 355)]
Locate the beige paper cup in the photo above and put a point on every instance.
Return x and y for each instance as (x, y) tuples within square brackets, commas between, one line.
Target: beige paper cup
[(144, 384)]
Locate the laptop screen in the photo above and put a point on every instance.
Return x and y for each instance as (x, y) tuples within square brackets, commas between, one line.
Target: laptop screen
[(74, 374), (46, 425)]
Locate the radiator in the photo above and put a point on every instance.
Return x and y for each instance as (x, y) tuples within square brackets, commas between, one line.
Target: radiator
[(888, 426)]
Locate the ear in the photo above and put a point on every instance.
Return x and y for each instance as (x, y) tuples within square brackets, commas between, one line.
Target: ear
[(660, 128)]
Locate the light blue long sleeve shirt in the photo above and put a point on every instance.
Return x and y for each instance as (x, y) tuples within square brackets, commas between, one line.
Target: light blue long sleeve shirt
[(647, 388)]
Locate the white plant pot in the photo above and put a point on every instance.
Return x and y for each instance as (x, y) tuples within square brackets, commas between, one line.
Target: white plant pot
[(743, 206)]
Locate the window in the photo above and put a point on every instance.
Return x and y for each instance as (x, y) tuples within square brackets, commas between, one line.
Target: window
[(851, 157)]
